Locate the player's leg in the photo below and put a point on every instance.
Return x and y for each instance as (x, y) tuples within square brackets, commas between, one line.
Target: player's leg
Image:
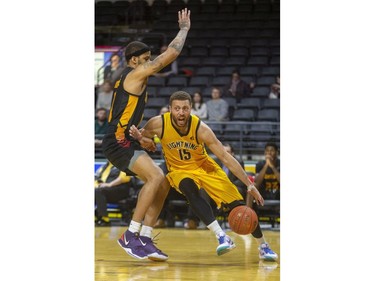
[(204, 212), (142, 165), (265, 252), (151, 216)]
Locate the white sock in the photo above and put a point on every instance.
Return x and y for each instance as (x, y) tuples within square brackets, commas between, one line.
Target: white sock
[(261, 240), (134, 226), (215, 227), (146, 231)]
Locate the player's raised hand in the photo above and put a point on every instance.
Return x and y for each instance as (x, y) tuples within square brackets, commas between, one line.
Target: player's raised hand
[(184, 19)]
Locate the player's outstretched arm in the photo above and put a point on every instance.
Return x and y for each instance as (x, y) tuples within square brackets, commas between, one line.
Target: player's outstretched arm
[(206, 135), (173, 50)]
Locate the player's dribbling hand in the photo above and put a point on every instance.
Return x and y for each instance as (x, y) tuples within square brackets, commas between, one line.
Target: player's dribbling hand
[(255, 193)]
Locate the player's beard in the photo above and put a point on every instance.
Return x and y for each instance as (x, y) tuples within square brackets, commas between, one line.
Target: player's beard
[(182, 123)]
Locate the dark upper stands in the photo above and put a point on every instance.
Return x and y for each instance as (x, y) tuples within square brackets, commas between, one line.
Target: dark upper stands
[(224, 35)]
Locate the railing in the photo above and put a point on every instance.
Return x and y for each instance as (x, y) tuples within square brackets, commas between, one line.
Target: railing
[(247, 138)]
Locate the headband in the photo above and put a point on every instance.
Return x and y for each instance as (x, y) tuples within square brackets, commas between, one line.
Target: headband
[(137, 53)]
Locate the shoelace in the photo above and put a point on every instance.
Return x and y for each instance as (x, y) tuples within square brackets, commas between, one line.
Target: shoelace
[(153, 238)]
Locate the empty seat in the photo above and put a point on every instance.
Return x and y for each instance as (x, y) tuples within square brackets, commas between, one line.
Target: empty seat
[(221, 42), (275, 61), (220, 80), (268, 115), (191, 90), (260, 127), (150, 112), (265, 80), (258, 60), (238, 51), (212, 61), (240, 42), (156, 81), (157, 102), (252, 103), (260, 136), (270, 70), (244, 114), (217, 128), (218, 51), (206, 92), (198, 51), (259, 51), (249, 70), (201, 81), (235, 61), (205, 71), (177, 81), (233, 132), (261, 92), (225, 70), (167, 91), (231, 102), (195, 62), (271, 103), (152, 91)]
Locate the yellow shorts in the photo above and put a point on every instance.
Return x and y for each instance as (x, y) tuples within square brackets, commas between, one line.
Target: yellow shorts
[(211, 178)]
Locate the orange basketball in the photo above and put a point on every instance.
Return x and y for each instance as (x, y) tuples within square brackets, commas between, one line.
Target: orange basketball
[(243, 220)]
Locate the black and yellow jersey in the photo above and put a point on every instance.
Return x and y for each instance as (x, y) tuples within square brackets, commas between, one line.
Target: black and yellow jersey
[(126, 109), (182, 151)]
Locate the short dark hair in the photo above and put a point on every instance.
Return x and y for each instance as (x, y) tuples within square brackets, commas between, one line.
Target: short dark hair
[(180, 95), (236, 71), (273, 144), (229, 144), (135, 49)]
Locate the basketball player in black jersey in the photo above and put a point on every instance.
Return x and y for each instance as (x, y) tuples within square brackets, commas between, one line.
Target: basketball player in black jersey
[(126, 153)]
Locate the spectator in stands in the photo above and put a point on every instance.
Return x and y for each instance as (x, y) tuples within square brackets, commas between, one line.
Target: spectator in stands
[(237, 87), (199, 107), (169, 70), (275, 89), (267, 178), (101, 124), (217, 108), (111, 186), (105, 96), (113, 72), (164, 109)]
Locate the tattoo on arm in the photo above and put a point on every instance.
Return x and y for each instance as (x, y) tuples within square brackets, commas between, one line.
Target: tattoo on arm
[(179, 41), (156, 65)]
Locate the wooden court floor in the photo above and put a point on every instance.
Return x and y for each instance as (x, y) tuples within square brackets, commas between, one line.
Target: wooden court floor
[(192, 256)]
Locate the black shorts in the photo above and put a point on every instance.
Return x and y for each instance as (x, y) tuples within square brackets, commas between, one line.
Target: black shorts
[(120, 154)]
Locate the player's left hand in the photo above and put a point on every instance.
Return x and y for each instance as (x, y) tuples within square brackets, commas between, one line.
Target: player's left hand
[(255, 193)]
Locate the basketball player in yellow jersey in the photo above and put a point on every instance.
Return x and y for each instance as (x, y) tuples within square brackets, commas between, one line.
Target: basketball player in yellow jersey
[(183, 138), (127, 108)]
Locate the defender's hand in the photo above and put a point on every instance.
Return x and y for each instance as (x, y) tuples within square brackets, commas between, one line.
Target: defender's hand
[(184, 19)]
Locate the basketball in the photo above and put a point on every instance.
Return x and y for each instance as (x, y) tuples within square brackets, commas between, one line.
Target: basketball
[(243, 220)]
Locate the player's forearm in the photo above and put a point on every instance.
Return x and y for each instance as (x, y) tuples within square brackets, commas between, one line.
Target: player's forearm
[(235, 167), (179, 41)]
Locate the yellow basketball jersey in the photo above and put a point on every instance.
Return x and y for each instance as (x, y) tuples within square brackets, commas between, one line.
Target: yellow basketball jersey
[(182, 152)]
